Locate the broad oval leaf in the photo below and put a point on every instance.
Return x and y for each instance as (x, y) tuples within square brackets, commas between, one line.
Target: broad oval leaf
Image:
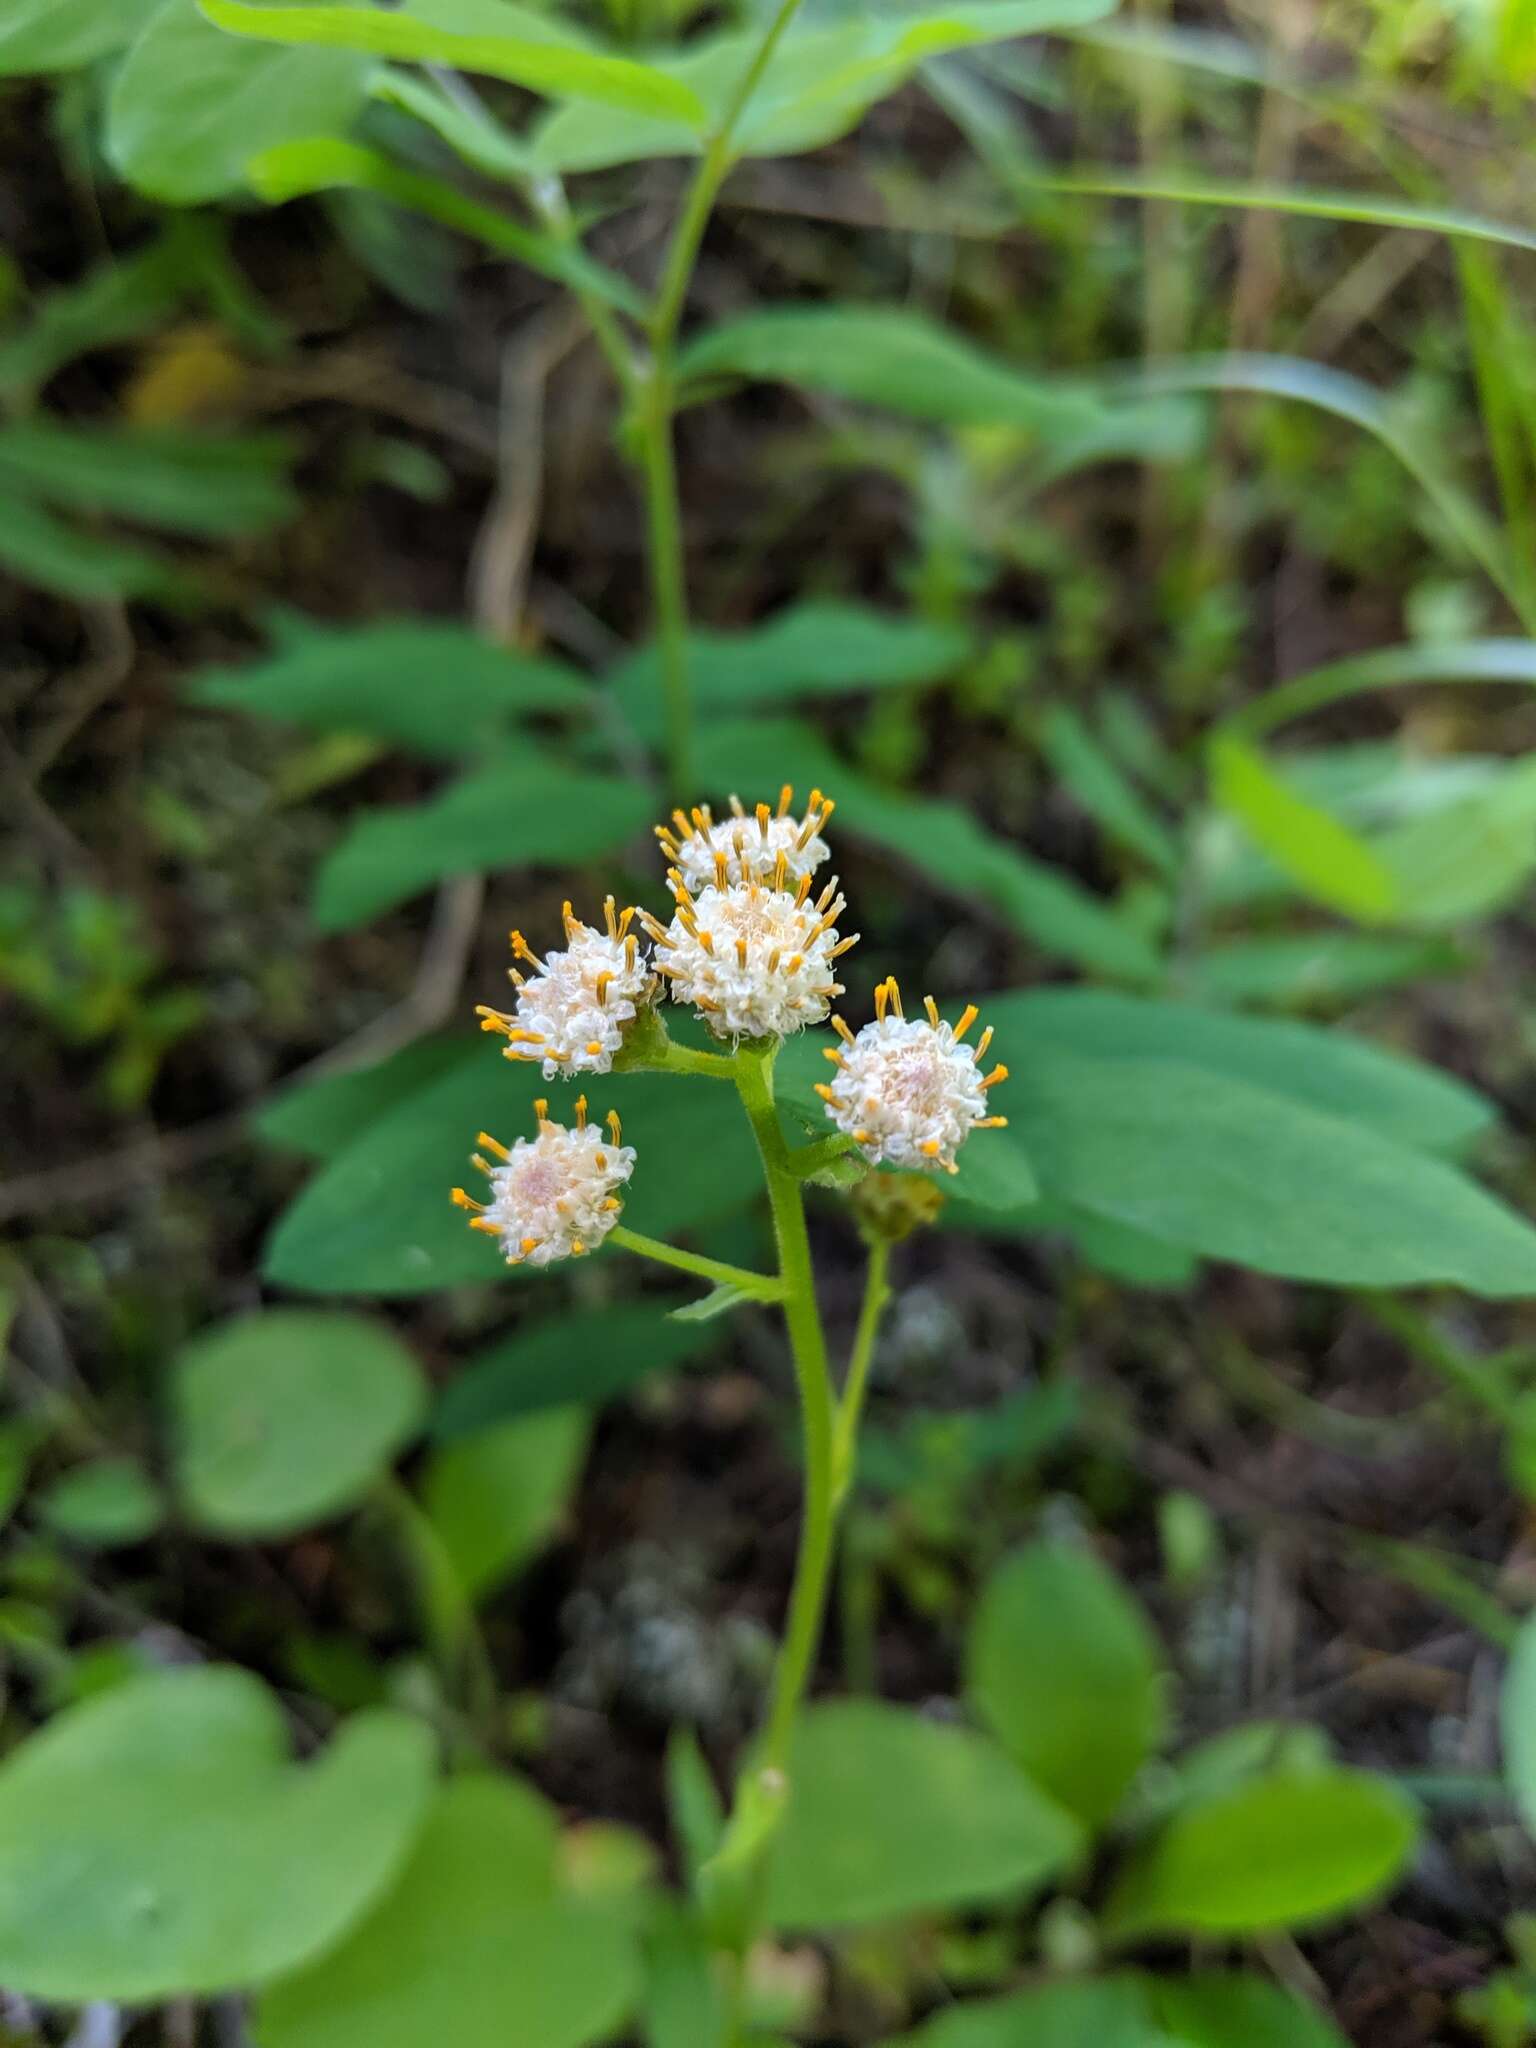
[(571, 1355), (105, 1504), (428, 684), (157, 1841), (1065, 1670), (191, 106), (287, 1416), (524, 812), (1232, 2009), (1284, 1850), (495, 1498), (377, 1219), (494, 37), (63, 35), (1084, 2012), (474, 1940), (891, 1814)]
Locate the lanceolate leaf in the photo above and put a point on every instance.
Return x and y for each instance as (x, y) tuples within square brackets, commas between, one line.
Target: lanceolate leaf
[(1327, 860), (1389, 668), (527, 811), (502, 41), (1518, 1718), (216, 485)]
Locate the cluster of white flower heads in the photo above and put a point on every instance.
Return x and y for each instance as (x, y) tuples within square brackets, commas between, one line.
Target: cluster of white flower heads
[(750, 846), (752, 950), (553, 1196), (572, 1011), (909, 1091), (753, 959)]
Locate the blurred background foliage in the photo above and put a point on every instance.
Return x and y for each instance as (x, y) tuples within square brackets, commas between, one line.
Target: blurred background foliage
[(1108, 466)]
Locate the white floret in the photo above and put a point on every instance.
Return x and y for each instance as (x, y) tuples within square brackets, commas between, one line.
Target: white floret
[(909, 1091), (572, 1014), (554, 1196), (754, 962)]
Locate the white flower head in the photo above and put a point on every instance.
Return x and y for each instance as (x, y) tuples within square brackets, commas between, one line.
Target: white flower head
[(572, 1011), (754, 961), (768, 846), (909, 1091), (553, 1196)]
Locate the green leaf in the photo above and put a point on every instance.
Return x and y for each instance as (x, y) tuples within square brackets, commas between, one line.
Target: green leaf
[(1095, 779), (1517, 1715), (473, 1940), (1389, 668), (1316, 970), (426, 684), (585, 1355), (492, 37), (320, 1117), (1328, 1070), (104, 1505), (940, 840), (1285, 1850), (1469, 859), (496, 1498), (156, 1841), (286, 1417), (1230, 2009), (811, 650), (720, 1301), (964, 1828), (819, 82), (291, 169), (886, 356), (40, 549), (63, 35), (1064, 1669), (190, 106), (378, 1220), (1096, 2012), (526, 811), (1328, 861), (1244, 1174), (216, 486)]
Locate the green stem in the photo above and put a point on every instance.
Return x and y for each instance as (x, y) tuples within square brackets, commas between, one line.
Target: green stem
[(656, 403), (850, 1408), (1415, 1331), (802, 1317), (762, 1286)]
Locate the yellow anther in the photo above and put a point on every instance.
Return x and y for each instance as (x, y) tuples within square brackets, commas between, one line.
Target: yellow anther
[(933, 1011), (492, 1144), (968, 1017), (998, 1073), (615, 1126)]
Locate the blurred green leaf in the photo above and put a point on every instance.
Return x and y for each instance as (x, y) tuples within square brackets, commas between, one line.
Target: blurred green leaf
[(473, 1940), (215, 486), (191, 106), (377, 1219), (287, 1416), (810, 650), (427, 684), (500, 40), (940, 840), (1329, 1070), (1230, 2009), (40, 549), (887, 356), (526, 811), (1097, 2012), (291, 169), (1285, 1850), (319, 1117), (1308, 970), (104, 1505), (575, 1354), (1517, 1718), (1468, 860), (496, 1498), (820, 81), (63, 35), (156, 1841), (1105, 793), (964, 1828), (1064, 1669), (1322, 856), (1389, 668)]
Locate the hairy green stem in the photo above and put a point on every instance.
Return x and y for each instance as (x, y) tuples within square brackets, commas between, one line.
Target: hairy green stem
[(850, 1408), (762, 1286), (802, 1317)]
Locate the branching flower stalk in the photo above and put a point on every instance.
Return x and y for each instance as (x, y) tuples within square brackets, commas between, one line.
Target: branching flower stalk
[(751, 950)]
